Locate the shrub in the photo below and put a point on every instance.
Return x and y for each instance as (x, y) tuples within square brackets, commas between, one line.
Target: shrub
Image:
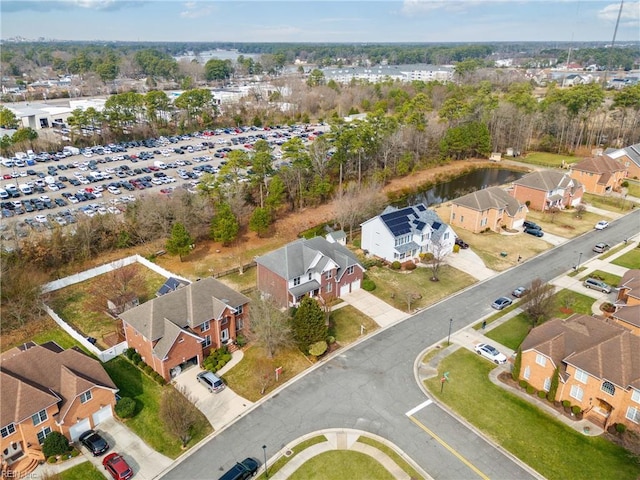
[(531, 389), (74, 453), (566, 403), (396, 265), (157, 377), (368, 285), (410, 266), (141, 364), (331, 339), (51, 460), (576, 409), (129, 352), (318, 348), (621, 427), (542, 394), (426, 257), (147, 369), (241, 341), (523, 383), (136, 358), (220, 364), (126, 407), (456, 248), (55, 444), (356, 242)]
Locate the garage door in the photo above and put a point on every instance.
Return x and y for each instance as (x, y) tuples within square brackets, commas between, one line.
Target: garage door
[(344, 289), (355, 285), (105, 413), (79, 428), (518, 223)]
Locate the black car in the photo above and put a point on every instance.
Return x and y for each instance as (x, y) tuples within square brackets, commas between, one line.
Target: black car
[(94, 442), (242, 470), (536, 232), (531, 225), (461, 243)]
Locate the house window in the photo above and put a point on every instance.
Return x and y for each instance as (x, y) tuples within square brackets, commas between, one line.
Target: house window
[(527, 372), (85, 397), (8, 430), (205, 326), (239, 324), (576, 392), (207, 341), (608, 387), (581, 376), (453, 216), (541, 360), (547, 384), (329, 287), (483, 222), (635, 396), (461, 218), (349, 270), (296, 281), (42, 434), (446, 236), (328, 275), (224, 321), (633, 414), (239, 310), (39, 417), (310, 276)]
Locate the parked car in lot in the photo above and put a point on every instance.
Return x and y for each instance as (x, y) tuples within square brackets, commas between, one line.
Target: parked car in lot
[(596, 284), (601, 225), (211, 382), (94, 442), (601, 247), (520, 292), (461, 243), (534, 231), (501, 303), (242, 470), (117, 467), (490, 352)]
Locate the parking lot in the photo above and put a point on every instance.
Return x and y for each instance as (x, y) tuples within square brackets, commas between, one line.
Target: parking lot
[(46, 189)]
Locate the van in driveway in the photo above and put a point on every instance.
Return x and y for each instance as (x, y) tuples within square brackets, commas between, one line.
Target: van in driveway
[(596, 284)]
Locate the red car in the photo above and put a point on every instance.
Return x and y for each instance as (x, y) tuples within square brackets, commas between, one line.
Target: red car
[(117, 467)]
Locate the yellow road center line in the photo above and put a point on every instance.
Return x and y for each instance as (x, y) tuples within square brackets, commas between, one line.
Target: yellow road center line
[(450, 448)]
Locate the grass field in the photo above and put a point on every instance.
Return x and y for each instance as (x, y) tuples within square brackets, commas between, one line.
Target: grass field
[(630, 259), (82, 471), (346, 322), (614, 204), (606, 277), (555, 450), (548, 159), (146, 423), (340, 465)]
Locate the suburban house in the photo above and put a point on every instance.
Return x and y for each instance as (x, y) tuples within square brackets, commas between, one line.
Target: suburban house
[(181, 327), (627, 303), (601, 174), (314, 267), (402, 234), (548, 189), (45, 389), (598, 367), (488, 209), (629, 157)]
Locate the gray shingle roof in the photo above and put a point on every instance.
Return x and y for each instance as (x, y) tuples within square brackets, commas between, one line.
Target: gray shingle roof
[(188, 306), (488, 198), (546, 180)]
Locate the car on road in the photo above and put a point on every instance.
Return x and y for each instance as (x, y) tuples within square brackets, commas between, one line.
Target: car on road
[(117, 467), (520, 292), (461, 243), (601, 225), (501, 303), (601, 247), (596, 284), (242, 470), (94, 442), (534, 231), (211, 382), (490, 352)]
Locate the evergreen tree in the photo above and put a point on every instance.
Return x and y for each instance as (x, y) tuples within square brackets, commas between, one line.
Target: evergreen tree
[(517, 365), (180, 241), (308, 324), (224, 225), (553, 388), (260, 221)]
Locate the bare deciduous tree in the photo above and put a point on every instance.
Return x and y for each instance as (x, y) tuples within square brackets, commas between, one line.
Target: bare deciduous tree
[(179, 414), (120, 285), (539, 302), (270, 326), (21, 288), (435, 259), (357, 203), (264, 373)]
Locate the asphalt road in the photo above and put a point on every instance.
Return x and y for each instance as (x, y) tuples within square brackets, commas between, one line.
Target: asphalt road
[(372, 385)]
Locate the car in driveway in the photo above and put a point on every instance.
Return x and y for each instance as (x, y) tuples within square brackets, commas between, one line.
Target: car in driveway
[(490, 352), (534, 231), (94, 442), (242, 470), (601, 225), (533, 225), (601, 247), (461, 243), (117, 467), (520, 292), (501, 303), (595, 284), (210, 381)]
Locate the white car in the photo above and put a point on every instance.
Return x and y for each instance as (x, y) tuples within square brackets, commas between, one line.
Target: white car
[(40, 219), (490, 352), (601, 225), (113, 190)]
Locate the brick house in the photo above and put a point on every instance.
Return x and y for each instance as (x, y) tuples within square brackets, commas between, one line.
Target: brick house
[(599, 175), (45, 389), (402, 234), (491, 208), (548, 189), (598, 366), (181, 327), (308, 267), (629, 157), (627, 302)]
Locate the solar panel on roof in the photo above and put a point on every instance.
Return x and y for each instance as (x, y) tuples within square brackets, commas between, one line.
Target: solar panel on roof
[(420, 225), (436, 225), (421, 207)]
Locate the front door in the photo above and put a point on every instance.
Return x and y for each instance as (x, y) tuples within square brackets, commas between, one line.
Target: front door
[(224, 336)]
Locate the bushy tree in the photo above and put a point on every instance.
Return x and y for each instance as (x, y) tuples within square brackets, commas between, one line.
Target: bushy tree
[(180, 241), (55, 444), (308, 324), (126, 407), (260, 221), (224, 225)]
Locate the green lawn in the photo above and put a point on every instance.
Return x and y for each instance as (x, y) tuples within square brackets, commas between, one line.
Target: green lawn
[(634, 188), (606, 277), (346, 322), (555, 450), (83, 471), (513, 332), (547, 159), (613, 204), (630, 259), (282, 461), (393, 286), (133, 383), (341, 465), (408, 469)]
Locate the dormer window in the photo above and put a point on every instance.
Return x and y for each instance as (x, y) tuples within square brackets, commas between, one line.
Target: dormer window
[(608, 387), (296, 281)]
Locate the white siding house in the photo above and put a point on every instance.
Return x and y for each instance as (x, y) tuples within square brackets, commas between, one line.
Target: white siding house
[(403, 234)]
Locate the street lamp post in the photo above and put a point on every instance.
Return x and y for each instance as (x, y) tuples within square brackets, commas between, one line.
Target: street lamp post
[(449, 336), (266, 471), (579, 260)]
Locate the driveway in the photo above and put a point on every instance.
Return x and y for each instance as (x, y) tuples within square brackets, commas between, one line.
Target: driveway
[(381, 312), (469, 262), (220, 408)]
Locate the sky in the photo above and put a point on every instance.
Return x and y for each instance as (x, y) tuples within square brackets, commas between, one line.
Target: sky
[(359, 21)]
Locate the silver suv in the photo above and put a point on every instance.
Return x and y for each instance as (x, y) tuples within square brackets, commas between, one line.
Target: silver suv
[(597, 285), (209, 380)]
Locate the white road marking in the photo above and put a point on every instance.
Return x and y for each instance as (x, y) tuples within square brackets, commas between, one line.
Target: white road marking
[(418, 408)]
